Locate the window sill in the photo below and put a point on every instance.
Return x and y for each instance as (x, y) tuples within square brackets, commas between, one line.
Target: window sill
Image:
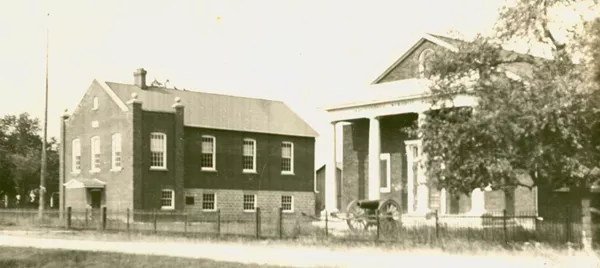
[(249, 172), (288, 211), (384, 190), (167, 208), (249, 211), (159, 169), (76, 172), (116, 169), (208, 169), (94, 171), (209, 210), (288, 173)]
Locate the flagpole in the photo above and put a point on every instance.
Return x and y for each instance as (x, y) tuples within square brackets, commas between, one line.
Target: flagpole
[(42, 201)]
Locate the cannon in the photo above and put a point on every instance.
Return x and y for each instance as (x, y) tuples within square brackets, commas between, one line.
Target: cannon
[(362, 214)]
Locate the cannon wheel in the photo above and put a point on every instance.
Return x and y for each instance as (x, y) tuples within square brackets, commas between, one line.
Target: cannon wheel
[(391, 216), (356, 217)]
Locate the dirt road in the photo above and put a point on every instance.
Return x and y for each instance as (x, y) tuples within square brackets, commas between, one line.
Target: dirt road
[(295, 256)]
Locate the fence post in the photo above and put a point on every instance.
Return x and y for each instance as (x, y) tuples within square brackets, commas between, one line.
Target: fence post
[(185, 222), (257, 223), (326, 223), (127, 219), (154, 219), (378, 223), (68, 217), (280, 223), (504, 225), (567, 224), (437, 225), (103, 218), (218, 222)]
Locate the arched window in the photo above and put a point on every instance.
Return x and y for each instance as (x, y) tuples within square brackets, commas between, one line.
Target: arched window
[(424, 62)]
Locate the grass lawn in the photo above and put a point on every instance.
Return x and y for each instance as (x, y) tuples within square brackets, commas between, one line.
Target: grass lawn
[(46, 258)]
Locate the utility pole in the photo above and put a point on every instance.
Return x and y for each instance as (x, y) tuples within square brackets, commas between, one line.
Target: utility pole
[(42, 197)]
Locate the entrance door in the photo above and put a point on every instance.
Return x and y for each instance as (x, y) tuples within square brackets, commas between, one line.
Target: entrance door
[(96, 198)]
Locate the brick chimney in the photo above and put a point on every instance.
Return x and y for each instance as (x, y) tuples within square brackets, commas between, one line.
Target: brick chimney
[(140, 78)]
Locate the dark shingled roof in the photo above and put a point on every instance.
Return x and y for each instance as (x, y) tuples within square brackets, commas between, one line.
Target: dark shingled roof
[(220, 111)]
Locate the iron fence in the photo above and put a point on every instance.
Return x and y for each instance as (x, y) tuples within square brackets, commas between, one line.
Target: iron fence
[(499, 227)]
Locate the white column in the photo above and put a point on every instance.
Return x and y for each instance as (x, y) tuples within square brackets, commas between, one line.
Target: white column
[(443, 201), (374, 162), (422, 188), (410, 183), (330, 175), (477, 202)]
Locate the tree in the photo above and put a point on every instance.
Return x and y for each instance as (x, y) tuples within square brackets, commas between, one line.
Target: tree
[(536, 122), (20, 156)]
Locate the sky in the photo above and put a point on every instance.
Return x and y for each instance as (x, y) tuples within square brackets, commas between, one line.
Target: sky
[(305, 53)]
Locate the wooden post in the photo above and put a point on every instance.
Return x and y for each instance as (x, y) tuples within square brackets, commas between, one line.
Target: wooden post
[(257, 223), (377, 218), (218, 222), (280, 223), (103, 218), (567, 224), (154, 219), (86, 217), (437, 225), (326, 223), (127, 219), (185, 220), (68, 217), (504, 225)]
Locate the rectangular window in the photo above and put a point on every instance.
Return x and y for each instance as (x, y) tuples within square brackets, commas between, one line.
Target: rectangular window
[(249, 155), (76, 155), (166, 200), (385, 173), (209, 202), (287, 203), (249, 202), (158, 151), (287, 158), (95, 156), (189, 200), (116, 151), (208, 153)]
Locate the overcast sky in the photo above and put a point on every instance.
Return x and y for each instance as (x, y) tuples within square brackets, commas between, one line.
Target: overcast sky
[(305, 53)]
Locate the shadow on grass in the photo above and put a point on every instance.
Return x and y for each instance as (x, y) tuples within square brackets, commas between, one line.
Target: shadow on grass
[(51, 258)]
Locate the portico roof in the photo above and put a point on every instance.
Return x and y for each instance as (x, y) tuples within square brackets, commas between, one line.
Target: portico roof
[(84, 183)]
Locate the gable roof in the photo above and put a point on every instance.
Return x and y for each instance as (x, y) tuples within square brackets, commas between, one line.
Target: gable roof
[(219, 111), (454, 44), (444, 42)]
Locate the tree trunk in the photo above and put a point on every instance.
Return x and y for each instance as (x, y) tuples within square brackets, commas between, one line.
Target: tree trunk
[(586, 221)]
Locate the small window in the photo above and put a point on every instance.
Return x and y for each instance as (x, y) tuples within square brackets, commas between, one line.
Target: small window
[(209, 202), (287, 158), (116, 151), (95, 103), (249, 155), (158, 151), (96, 152), (287, 203), (385, 173), (76, 155), (208, 153), (249, 202), (166, 201), (189, 200), (425, 63)]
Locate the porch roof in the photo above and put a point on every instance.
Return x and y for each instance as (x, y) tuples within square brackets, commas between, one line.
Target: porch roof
[(84, 183)]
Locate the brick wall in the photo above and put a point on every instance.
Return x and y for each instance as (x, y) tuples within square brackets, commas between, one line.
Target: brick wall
[(229, 174), (410, 66), (110, 119), (230, 202), (355, 157)]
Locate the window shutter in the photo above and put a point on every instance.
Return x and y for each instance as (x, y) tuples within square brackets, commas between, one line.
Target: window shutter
[(383, 173)]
